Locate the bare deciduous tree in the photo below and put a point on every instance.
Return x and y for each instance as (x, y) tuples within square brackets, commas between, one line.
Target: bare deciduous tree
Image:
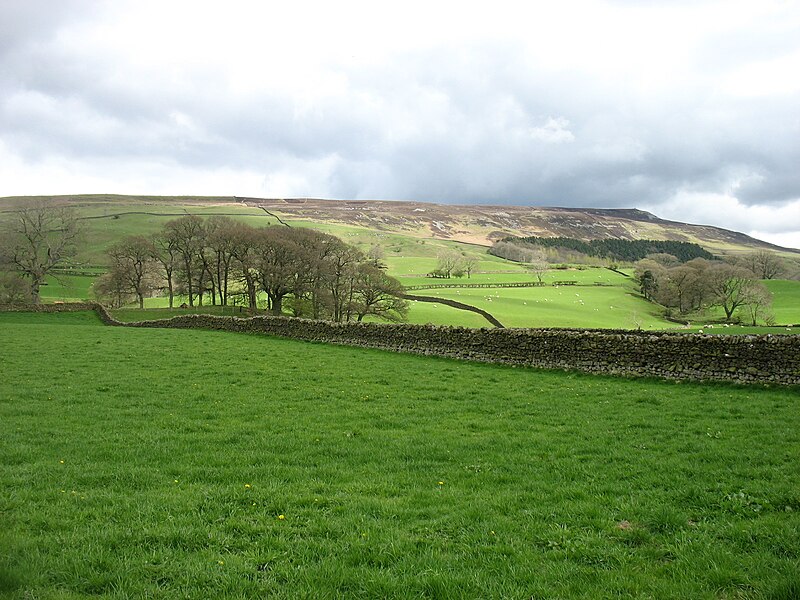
[(164, 249), (133, 266), (41, 238), (188, 234), (376, 293), (765, 264), (469, 264), (759, 305), (448, 261), (537, 264), (730, 286)]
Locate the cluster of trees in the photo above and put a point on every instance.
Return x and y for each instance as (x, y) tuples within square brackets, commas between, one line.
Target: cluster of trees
[(450, 263), (33, 245), (221, 260), (614, 249), (699, 283)]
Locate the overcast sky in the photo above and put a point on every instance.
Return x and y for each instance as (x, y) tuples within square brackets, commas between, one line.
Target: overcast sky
[(688, 109)]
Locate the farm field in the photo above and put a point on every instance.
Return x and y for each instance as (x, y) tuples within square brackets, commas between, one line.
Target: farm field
[(786, 301), (67, 288), (515, 307), (409, 255), (564, 306), (177, 463)]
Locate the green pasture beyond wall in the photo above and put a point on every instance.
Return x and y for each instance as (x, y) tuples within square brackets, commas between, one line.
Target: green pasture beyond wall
[(743, 358)]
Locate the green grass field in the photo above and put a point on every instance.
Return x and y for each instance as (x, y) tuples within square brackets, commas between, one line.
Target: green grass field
[(585, 305), (67, 288), (409, 257), (186, 464), (602, 307), (786, 301)]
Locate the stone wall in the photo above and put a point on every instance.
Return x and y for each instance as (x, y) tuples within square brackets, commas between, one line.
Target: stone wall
[(738, 358)]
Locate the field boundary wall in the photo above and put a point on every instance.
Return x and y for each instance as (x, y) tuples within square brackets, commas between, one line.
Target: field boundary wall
[(754, 359)]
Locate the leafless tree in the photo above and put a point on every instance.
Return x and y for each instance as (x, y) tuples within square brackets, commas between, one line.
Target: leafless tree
[(680, 282), (189, 235), (537, 264), (376, 256), (469, 264), (164, 250), (376, 293), (111, 289), (244, 258), (133, 266), (339, 275), (220, 231), (277, 264), (40, 239), (765, 264), (730, 286), (448, 261), (759, 305)]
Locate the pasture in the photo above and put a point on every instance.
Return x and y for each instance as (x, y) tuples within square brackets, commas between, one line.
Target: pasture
[(606, 299), (786, 301), (565, 306), (178, 463)]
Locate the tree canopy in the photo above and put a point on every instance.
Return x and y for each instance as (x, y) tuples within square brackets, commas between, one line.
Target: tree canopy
[(615, 249), (315, 274)]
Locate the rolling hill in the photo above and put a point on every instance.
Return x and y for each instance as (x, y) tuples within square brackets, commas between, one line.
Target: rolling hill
[(473, 224)]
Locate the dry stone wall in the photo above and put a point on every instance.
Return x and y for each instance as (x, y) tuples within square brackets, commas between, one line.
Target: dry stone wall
[(771, 359)]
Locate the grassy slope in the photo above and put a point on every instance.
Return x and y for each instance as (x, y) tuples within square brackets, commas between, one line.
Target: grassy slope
[(159, 463), (561, 307), (408, 258), (67, 288), (786, 301)]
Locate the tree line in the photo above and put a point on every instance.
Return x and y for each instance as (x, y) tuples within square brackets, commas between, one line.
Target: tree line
[(216, 260), (219, 260), (612, 248), (684, 288), (39, 239)]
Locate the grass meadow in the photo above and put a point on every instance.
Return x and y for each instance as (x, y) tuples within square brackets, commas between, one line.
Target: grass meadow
[(786, 301), (185, 464), (602, 299), (605, 300)]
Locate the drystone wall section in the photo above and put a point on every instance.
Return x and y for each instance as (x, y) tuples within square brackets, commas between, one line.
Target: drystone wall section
[(736, 358)]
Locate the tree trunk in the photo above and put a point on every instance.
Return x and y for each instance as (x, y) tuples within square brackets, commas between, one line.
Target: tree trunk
[(251, 291), (277, 305), (35, 298)]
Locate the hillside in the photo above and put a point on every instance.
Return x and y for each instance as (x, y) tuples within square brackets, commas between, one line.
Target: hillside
[(474, 224), (483, 224)]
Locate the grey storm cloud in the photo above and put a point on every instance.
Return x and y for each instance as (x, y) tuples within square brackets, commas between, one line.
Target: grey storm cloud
[(476, 122)]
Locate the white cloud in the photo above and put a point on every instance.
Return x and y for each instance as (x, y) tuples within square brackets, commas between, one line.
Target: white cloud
[(686, 108), (554, 131), (779, 224)]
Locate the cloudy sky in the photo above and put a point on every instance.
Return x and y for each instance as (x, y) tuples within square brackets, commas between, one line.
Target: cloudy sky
[(689, 109)]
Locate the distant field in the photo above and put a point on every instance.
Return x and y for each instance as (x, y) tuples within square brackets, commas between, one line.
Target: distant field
[(786, 301), (67, 288), (409, 255), (609, 307), (524, 307), (177, 464)]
